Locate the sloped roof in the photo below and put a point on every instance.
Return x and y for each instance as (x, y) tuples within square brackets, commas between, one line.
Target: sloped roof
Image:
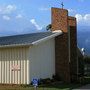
[(25, 39)]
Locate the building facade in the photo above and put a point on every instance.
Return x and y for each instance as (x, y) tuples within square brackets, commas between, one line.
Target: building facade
[(41, 55), (22, 61)]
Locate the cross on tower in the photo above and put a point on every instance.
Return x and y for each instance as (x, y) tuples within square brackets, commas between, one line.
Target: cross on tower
[(62, 5)]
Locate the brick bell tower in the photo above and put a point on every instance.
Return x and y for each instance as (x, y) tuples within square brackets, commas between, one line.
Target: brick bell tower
[(65, 44)]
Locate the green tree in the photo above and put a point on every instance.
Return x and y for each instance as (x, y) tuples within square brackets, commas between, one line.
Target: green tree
[(48, 27)]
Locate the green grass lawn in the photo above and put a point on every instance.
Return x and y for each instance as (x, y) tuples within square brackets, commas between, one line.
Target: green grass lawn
[(45, 87)]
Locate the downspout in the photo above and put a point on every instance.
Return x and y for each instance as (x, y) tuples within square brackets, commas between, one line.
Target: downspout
[(69, 42), (69, 51), (77, 52), (77, 65)]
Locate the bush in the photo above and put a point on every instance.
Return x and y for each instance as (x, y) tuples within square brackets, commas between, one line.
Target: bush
[(87, 59), (81, 67), (45, 81), (56, 77)]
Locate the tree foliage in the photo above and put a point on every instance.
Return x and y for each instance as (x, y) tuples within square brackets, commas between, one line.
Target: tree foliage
[(48, 27), (87, 59)]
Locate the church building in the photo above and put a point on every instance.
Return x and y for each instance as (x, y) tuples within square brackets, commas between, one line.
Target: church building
[(43, 54)]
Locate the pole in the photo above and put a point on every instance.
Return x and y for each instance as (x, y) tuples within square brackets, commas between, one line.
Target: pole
[(35, 87)]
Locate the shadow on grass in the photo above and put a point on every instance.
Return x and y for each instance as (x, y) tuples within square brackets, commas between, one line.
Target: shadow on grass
[(54, 86), (61, 86)]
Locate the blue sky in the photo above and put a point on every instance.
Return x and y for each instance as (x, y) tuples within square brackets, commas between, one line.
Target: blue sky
[(25, 16)]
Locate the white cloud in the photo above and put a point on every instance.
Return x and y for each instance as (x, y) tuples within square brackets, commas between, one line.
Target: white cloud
[(19, 16), (35, 24), (44, 9), (71, 11), (7, 9), (83, 19), (87, 17), (5, 17), (10, 8), (79, 17)]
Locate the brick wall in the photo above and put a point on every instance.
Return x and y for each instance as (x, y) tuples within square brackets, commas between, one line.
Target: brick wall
[(65, 57), (73, 47), (59, 19), (62, 57), (60, 22)]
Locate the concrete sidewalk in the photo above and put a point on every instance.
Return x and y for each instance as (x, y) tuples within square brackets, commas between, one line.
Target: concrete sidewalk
[(86, 87)]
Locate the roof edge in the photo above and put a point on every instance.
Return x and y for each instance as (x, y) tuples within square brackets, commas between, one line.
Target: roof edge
[(56, 33), (15, 45)]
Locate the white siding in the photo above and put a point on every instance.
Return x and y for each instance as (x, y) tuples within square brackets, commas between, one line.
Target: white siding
[(12, 57), (37, 61), (42, 60)]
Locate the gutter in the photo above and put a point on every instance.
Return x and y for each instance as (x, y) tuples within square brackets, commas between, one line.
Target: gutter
[(56, 33), (15, 45)]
